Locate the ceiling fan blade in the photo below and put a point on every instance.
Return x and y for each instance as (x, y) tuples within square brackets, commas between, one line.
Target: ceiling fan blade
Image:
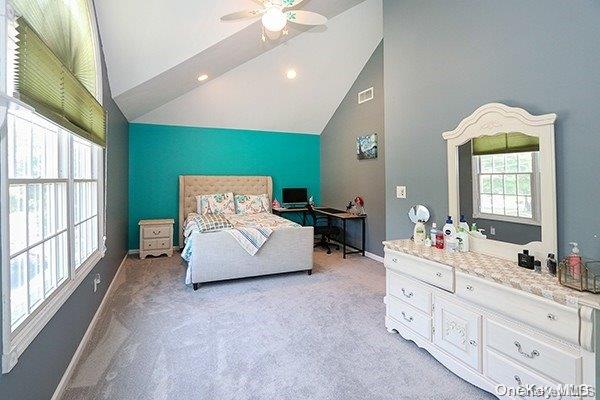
[(305, 17), (242, 15), (290, 3)]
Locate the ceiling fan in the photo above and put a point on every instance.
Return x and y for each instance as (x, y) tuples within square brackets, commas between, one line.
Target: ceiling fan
[(275, 14)]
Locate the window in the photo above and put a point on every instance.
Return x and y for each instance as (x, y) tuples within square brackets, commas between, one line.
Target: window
[(506, 187), (51, 176), (50, 171)]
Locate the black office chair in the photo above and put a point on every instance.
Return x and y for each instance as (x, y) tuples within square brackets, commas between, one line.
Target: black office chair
[(325, 232)]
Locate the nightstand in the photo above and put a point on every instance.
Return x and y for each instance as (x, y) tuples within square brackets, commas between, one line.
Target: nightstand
[(156, 237)]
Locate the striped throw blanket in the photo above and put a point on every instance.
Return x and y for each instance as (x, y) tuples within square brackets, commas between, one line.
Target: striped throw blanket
[(251, 238)]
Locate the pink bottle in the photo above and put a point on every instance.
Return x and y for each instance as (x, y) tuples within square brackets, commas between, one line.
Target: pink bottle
[(439, 240), (574, 260)]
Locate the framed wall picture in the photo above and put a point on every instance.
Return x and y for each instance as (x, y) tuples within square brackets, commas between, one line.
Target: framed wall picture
[(366, 147)]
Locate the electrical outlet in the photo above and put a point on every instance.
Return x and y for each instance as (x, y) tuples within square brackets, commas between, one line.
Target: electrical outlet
[(401, 192), (492, 230), (97, 281)]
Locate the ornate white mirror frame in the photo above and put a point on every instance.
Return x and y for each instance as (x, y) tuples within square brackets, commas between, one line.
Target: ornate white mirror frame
[(491, 119)]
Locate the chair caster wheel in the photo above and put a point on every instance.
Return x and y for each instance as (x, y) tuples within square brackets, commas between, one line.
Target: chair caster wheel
[(328, 251)]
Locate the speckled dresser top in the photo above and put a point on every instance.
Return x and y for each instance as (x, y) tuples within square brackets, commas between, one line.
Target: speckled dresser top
[(500, 271)]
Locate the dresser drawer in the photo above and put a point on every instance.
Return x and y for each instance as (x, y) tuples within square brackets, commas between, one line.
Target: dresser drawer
[(156, 244), (535, 311), (427, 271), (556, 363), (156, 231), (506, 372), (409, 291), (409, 316)]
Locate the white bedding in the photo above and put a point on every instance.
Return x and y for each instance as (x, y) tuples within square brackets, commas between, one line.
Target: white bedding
[(251, 231)]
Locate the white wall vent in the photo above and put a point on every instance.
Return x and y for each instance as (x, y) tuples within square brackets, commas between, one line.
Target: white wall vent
[(365, 95)]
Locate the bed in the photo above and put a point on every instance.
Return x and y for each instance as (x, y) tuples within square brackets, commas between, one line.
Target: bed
[(216, 256)]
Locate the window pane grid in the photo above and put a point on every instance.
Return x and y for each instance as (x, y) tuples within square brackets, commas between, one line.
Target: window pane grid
[(505, 184), (38, 197)]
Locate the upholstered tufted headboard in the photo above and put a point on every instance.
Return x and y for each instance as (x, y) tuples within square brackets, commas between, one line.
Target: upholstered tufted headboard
[(191, 186)]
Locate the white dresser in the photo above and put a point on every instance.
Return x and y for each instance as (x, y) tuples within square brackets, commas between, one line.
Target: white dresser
[(156, 237), (490, 321)]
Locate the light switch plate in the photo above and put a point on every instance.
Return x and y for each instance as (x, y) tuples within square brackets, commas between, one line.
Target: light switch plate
[(401, 192)]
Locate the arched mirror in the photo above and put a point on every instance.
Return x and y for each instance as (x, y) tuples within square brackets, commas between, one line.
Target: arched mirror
[(501, 177)]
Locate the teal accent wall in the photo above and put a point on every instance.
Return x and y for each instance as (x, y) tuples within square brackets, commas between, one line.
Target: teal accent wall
[(158, 154)]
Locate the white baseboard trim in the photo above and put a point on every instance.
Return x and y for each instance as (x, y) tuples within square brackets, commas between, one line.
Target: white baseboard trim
[(367, 254), (62, 385), (137, 251), (374, 257)]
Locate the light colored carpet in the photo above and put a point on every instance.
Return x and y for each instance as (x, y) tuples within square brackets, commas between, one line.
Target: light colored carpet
[(289, 336)]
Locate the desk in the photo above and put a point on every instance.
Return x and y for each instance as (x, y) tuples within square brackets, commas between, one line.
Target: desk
[(344, 217), (281, 211), (332, 213)]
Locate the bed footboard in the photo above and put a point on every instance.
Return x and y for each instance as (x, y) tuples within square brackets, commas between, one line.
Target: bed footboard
[(218, 256)]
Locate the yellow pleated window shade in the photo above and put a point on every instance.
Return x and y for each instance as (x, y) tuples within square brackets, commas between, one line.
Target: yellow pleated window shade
[(47, 83), (511, 142)]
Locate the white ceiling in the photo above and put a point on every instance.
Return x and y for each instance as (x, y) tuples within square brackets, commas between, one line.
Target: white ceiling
[(257, 95), (156, 49), (143, 38)]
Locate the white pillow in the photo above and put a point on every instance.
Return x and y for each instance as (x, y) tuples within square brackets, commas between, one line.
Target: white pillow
[(218, 203), (252, 204)]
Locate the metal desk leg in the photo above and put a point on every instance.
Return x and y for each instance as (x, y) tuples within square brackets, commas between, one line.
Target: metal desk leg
[(363, 236), (344, 237)]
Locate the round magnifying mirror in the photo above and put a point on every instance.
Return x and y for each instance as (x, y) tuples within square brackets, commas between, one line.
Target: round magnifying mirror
[(418, 213)]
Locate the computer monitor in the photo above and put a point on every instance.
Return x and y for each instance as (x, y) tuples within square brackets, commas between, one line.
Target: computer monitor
[(295, 196)]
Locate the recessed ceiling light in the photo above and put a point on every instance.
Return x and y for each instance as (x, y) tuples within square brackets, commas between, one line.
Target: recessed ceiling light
[(203, 77), (291, 73)]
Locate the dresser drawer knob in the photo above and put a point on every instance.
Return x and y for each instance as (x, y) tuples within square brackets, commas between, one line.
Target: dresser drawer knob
[(155, 232), (438, 274), (533, 354), (407, 295), (551, 317), (473, 343), (470, 288), (409, 319)]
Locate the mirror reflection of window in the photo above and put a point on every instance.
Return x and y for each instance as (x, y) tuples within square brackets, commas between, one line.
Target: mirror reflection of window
[(505, 186), (499, 186)]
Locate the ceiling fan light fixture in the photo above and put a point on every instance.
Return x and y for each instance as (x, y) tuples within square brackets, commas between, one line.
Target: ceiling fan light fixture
[(291, 73), (274, 19)]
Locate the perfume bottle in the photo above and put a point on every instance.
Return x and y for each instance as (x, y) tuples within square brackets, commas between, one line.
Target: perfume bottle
[(525, 260), (551, 264)]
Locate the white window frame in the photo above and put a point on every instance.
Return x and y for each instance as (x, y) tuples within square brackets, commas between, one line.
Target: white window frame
[(535, 195), (14, 343)]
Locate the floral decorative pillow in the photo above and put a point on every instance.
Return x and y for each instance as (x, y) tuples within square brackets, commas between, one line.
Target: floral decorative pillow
[(218, 203), (252, 204)]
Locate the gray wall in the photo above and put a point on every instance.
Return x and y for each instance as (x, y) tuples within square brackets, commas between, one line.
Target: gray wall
[(511, 232), (444, 59), (343, 176), (41, 366)]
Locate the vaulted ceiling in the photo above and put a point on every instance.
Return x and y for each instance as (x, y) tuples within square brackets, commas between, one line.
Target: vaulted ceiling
[(155, 51)]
